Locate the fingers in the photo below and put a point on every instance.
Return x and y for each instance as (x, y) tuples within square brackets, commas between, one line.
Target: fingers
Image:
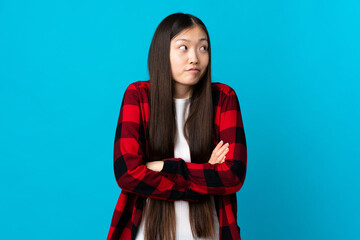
[(221, 158), (218, 146), (215, 153), (219, 153)]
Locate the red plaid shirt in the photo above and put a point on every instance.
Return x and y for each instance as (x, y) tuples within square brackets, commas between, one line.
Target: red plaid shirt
[(178, 180)]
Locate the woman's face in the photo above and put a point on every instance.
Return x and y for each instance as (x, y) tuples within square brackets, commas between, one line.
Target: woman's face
[(189, 58)]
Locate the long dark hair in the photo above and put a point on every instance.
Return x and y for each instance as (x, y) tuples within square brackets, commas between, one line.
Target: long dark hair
[(198, 128)]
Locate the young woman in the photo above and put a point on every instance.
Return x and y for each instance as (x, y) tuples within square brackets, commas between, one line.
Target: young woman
[(180, 151)]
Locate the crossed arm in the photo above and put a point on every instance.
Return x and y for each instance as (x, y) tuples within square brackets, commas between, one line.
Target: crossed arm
[(173, 178), (218, 156)]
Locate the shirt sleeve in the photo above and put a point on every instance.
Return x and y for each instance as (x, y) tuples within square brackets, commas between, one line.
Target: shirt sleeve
[(219, 179), (131, 173)]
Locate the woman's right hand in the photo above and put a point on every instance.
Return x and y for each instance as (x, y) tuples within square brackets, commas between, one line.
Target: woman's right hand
[(219, 153)]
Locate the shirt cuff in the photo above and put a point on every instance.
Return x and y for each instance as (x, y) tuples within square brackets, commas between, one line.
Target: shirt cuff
[(171, 166)]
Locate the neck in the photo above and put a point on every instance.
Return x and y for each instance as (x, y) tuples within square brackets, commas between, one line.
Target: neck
[(182, 91)]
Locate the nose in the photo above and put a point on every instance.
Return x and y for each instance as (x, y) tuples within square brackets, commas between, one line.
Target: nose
[(193, 58)]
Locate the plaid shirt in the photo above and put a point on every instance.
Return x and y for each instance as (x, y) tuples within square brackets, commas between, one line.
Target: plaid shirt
[(178, 180)]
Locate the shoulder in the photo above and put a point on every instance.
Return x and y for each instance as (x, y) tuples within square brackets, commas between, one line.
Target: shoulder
[(223, 88), (139, 85), (138, 90), (216, 86), (224, 96), (142, 88)]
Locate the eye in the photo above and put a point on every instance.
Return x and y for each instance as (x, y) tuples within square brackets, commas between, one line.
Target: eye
[(203, 48), (183, 47)]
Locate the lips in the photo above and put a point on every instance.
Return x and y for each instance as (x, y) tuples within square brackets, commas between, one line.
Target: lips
[(195, 70)]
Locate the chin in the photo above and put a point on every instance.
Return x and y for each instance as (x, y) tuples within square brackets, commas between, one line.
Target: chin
[(188, 81), (194, 81)]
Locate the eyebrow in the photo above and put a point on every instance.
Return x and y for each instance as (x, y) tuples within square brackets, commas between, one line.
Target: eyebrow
[(187, 40)]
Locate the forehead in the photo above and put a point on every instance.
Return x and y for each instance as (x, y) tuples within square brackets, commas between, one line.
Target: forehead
[(194, 33)]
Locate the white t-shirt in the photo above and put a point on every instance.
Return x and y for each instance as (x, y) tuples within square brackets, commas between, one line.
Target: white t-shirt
[(183, 228)]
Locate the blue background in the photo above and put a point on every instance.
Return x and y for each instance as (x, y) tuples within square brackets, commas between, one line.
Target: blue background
[(64, 67)]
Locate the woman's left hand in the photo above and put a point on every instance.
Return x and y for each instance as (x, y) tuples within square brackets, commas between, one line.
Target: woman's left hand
[(156, 166)]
